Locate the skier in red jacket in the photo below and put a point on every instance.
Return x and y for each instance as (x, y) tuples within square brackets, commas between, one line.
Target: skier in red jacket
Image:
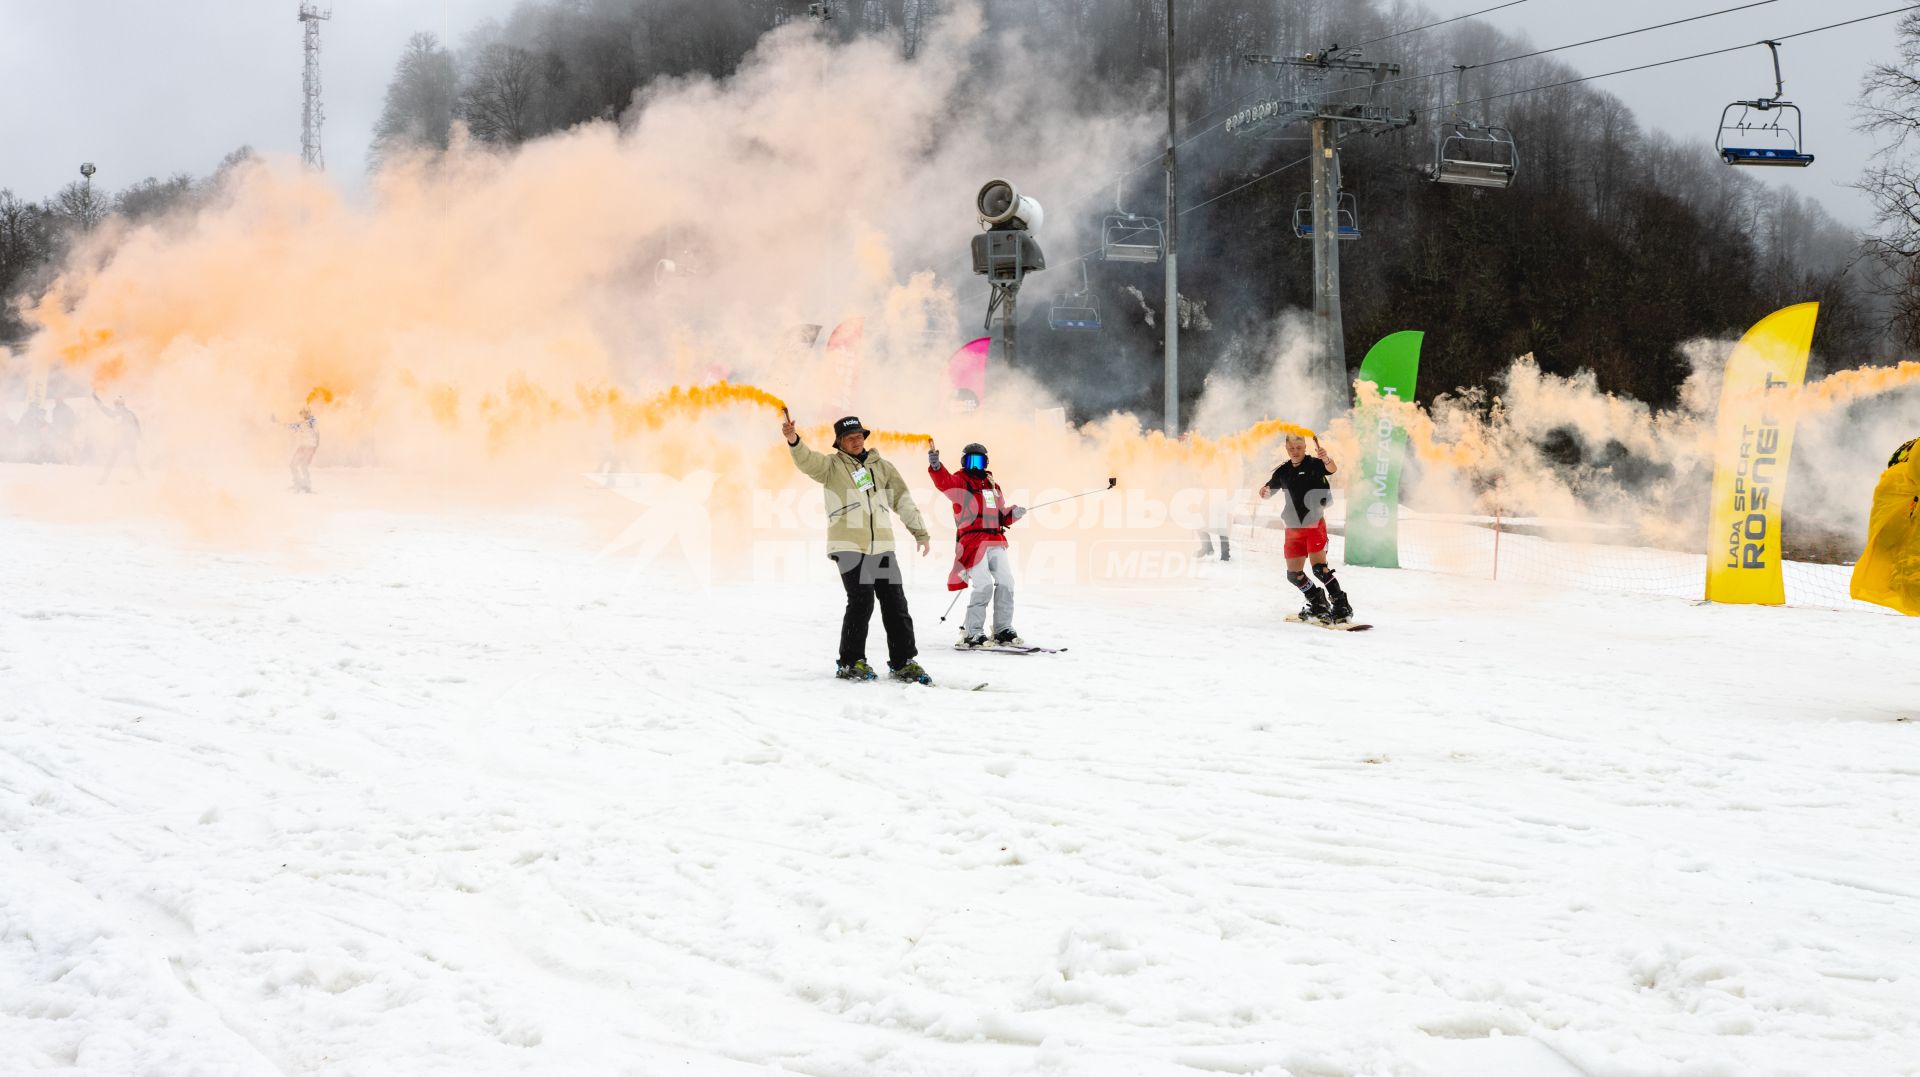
[(981, 517)]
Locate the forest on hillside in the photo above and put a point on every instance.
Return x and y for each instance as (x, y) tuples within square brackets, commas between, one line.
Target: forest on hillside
[(1615, 245)]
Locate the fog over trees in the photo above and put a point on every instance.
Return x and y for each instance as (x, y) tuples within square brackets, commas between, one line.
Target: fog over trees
[(1616, 244)]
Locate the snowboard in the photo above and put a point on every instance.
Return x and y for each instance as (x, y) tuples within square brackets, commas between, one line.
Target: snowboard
[(1294, 618)]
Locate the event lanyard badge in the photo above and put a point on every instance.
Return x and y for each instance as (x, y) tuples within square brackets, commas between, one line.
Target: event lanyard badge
[(862, 479)]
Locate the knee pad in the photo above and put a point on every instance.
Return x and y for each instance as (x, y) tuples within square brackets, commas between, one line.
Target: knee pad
[(1323, 571), (1299, 579)]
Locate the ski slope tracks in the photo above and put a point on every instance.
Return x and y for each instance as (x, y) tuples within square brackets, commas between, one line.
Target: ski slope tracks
[(447, 793)]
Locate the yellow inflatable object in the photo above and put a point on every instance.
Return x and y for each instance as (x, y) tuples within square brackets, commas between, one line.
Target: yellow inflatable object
[(1888, 573)]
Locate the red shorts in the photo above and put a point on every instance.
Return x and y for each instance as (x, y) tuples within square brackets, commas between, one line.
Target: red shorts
[(1302, 541)]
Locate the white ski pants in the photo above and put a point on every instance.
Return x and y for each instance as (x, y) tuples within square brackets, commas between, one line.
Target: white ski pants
[(992, 580)]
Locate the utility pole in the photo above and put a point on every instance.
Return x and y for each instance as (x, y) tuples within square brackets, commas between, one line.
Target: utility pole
[(1171, 332), (1328, 327), (312, 114), (86, 173), (1359, 105)]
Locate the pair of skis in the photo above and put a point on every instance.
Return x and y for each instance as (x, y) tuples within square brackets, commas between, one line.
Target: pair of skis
[(997, 648), (1003, 648), (923, 680)]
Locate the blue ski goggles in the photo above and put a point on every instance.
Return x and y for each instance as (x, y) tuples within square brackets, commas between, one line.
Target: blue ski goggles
[(974, 461)]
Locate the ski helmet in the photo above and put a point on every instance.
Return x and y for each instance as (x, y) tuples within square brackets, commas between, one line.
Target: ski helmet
[(973, 457)]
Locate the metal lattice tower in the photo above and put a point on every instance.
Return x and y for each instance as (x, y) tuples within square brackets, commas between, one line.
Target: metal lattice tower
[(1327, 90), (312, 113)]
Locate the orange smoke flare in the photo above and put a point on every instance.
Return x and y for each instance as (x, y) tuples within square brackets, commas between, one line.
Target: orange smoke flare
[(1846, 386), (679, 402)]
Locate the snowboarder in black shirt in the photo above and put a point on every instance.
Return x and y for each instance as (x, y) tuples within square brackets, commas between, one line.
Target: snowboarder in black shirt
[(1304, 479)]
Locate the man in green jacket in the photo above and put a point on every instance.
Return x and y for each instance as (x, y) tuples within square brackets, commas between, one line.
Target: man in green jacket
[(859, 488)]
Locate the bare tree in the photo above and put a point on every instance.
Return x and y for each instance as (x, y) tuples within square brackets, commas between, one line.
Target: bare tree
[(500, 102), (76, 203), (26, 246), (420, 100), (1890, 110), (152, 197)]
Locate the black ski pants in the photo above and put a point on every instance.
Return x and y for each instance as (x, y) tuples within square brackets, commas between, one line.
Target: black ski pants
[(868, 577)]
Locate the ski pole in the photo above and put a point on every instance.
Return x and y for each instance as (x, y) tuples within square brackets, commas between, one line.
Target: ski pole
[(1111, 483), (950, 605)]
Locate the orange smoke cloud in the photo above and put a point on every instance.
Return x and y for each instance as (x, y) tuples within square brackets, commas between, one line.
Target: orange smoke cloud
[(1847, 386)]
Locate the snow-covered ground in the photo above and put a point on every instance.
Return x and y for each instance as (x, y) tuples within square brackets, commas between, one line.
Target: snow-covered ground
[(447, 793)]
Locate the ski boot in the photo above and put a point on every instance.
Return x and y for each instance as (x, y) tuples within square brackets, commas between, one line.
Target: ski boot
[(1316, 610), (1341, 611), (1007, 637), (857, 671), (971, 642), (910, 673)]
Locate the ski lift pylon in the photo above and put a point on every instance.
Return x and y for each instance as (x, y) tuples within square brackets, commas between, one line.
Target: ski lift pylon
[(1784, 148), (1346, 216)]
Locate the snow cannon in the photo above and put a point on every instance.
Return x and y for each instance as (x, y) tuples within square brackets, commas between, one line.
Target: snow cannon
[(1004, 208)]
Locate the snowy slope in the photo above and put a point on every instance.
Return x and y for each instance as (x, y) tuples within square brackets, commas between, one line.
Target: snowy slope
[(447, 794)]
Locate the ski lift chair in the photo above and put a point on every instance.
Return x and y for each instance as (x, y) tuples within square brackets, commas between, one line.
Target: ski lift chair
[(1783, 149), (1782, 144), (1346, 216), (1475, 155), (1073, 312), (1127, 238)]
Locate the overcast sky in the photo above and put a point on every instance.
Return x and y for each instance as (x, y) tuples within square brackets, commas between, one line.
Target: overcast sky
[(153, 87), (150, 88)]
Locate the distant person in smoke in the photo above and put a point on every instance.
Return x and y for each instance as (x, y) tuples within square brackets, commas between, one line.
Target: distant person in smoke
[(1219, 522), (126, 436), (1303, 479), (306, 442), (981, 516), (31, 432), (1888, 572), (63, 433), (860, 488), (1206, 543)]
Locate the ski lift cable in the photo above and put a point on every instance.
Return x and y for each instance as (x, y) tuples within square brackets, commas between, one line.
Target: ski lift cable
[(1442, 22), (1624, 33), (1678, 59), (1556, 48), (1185, 210), (1160, 158)]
